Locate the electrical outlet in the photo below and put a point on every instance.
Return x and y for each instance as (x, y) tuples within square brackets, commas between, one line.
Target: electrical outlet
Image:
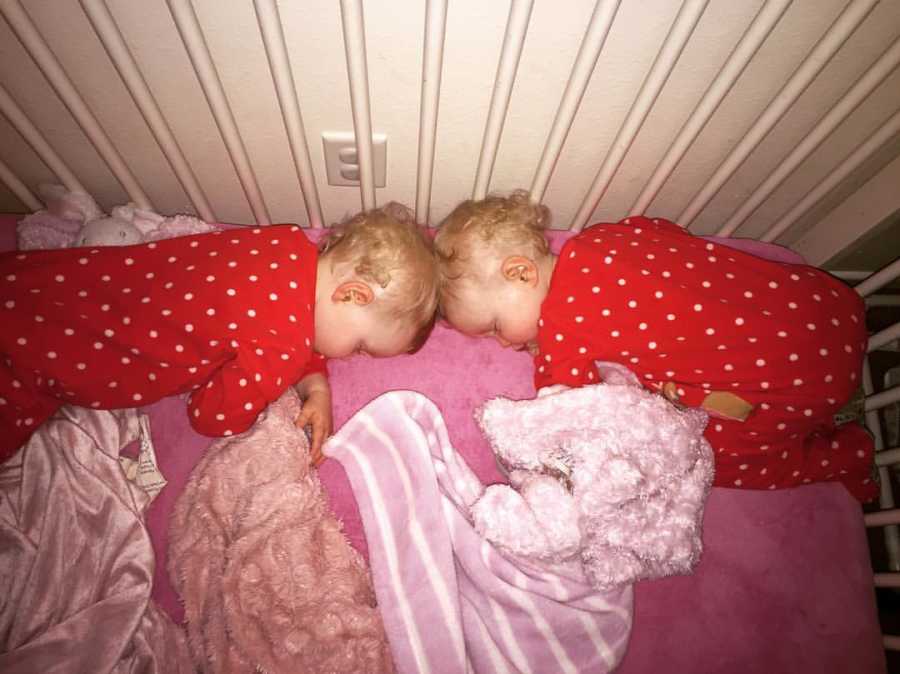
[(341, 163)]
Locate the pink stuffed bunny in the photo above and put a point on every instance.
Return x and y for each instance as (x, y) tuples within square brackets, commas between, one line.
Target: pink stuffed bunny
[(73, 219), (611, 475)]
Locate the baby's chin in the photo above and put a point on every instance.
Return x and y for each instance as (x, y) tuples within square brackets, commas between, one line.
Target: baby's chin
[(530, 347)]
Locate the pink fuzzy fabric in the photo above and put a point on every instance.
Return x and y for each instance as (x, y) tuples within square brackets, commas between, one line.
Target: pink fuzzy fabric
[(42, 230), (179, 225), (69, 216), (267, 577), (785, 581), (610, 474)]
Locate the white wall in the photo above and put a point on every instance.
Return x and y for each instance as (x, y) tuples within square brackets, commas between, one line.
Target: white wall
[(394, 33)]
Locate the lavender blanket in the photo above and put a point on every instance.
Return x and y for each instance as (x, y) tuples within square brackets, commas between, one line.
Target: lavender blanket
[(76, 564), (451, 602)]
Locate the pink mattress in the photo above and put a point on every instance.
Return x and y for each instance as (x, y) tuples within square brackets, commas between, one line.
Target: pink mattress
[(785, 583)]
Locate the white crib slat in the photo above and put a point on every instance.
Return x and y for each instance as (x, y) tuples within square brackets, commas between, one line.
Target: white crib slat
[(887, 580), (742, 54), (282, 75), (883, 301), (883, 337), (17, 187), (841, 110), (851, 274), (513, 40), (879, 519), (588, 53), (878, 400), (357, 69), (192, 36), (820, 55), (679, 33), (34, 43), (432, 65), (872, 421), (38, 143), (109, 34), (879, 279), (886, 492), (870, 146), (887, 457)]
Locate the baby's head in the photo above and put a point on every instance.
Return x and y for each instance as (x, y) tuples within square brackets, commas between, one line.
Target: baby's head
[(376, 286), (495, 266)]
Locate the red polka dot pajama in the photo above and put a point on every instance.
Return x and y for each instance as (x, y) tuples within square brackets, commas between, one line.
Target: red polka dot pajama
[(226, 316), (703, 323)]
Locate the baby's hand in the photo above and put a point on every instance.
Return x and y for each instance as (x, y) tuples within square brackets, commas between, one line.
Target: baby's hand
[(316, 413)]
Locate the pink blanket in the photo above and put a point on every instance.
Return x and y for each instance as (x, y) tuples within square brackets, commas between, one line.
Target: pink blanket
[(785, 582), (76, 564), (268, 580), (611, 474), (451, 602)]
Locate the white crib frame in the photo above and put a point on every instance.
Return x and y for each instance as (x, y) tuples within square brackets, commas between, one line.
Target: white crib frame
[(516, 30)]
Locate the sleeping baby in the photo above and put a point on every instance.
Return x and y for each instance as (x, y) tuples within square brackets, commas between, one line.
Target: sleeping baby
[(769, 350), (230, 317)]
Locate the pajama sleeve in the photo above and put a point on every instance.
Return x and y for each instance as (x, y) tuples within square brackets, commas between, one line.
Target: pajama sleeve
[(317, 365), (242, 388), (561, 361)]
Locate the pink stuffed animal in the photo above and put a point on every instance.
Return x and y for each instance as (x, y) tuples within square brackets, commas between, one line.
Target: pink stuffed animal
[(73, 219), (610, 475)]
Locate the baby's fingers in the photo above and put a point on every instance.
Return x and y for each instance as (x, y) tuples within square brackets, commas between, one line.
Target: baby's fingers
[(318, 439), (303, 421), (303, 418)]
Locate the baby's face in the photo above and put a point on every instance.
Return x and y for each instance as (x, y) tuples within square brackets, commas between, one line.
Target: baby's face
[(343, 329), (506, 310)]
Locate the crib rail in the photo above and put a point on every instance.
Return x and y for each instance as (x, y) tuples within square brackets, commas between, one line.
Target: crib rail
[(121, 56), (868, 166), (603, 22), (889, 516), (28, 33), (276, 52)]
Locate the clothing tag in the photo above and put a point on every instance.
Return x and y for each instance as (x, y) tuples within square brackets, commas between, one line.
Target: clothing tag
[(144, 471), (854, 410), (727, 406)]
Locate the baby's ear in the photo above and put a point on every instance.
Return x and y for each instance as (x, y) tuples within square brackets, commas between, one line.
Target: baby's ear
[(356, 292), (519, 268)]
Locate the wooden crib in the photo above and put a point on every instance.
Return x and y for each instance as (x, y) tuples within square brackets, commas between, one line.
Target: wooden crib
[(772, 119)]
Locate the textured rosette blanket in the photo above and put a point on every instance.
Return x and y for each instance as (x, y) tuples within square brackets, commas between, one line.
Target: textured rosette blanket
[(612, 476), (269, 581), (450, 601)]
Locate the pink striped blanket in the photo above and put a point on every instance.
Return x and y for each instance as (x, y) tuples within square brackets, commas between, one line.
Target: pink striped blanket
[(450, 601)]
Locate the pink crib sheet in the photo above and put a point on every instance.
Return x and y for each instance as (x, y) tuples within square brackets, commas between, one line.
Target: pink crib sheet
[(785, 582)]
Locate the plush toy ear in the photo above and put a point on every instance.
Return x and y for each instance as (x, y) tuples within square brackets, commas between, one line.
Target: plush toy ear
[(356, 292), (68, 205), (144, 221), (518, 268)]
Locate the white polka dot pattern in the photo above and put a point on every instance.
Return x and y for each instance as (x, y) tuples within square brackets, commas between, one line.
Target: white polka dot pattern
[(705, 318), (71, 316)]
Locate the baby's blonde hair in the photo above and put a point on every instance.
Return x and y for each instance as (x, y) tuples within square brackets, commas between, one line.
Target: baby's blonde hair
[(499, 225), (386, 247)]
